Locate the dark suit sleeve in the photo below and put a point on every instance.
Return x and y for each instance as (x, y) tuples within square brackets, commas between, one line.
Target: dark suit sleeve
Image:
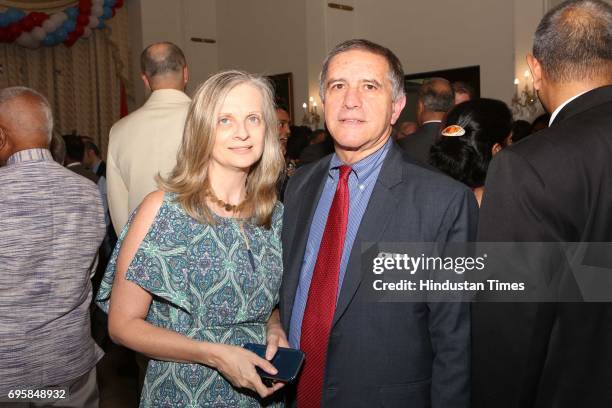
[(449, 323), (509, 340)]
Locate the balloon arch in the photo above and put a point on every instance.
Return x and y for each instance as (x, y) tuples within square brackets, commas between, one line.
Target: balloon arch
[(36, 28)]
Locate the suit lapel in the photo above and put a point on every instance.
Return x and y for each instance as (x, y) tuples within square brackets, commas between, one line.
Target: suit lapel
[(381, 206), (308, 194)]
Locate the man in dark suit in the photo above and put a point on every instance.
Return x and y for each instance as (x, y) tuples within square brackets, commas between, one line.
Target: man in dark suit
[(436, 98), (553, 188), (75, 151), (360, 353), (92, 158)]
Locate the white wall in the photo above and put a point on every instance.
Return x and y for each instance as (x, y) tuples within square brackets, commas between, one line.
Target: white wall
[(266, 37), (278, 36)]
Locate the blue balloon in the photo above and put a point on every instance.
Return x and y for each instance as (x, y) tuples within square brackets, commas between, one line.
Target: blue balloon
[(111, 3), (14, 15), (101, 25), (4, 20), (72, 12), (108, 13), (50, 40), (69, 25), (61, 34)]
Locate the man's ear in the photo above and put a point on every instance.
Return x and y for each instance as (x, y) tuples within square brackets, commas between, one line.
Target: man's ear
[(4, 146), (185, 75), (536, 71), (398, 106), (146, 82)]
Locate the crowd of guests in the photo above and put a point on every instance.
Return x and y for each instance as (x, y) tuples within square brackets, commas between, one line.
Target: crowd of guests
[(215, 223)]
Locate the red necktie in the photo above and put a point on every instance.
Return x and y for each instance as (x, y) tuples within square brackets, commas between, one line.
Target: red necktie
[(321, 302)]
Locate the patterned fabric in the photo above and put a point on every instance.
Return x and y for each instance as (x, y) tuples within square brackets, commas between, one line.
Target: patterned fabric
[(203, 287), (51, 225)]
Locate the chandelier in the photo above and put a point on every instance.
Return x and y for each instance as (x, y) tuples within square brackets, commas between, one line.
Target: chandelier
[(311, 115), (525, 101)]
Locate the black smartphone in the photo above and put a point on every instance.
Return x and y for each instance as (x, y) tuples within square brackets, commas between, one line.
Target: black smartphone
[(287, 361)]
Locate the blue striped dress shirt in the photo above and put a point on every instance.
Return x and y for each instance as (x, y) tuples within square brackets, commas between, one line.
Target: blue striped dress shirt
[(361, 183)]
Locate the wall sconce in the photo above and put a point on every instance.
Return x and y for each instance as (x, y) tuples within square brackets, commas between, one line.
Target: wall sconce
[(311, 115), (525, 102)]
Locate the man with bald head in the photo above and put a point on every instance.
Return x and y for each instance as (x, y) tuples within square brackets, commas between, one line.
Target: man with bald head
[(145, 143), (436, 98), (554, 187), (51, 225)]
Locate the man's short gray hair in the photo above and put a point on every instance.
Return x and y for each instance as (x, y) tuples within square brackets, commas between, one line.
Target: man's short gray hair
[(8, 94), (573, 42), (437, 95), (395, 74)]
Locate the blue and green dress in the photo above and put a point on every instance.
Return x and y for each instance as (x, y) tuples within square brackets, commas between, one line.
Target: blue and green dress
[(204, 287)]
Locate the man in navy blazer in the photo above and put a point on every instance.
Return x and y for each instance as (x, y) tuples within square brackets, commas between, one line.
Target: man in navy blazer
[(396, 354)]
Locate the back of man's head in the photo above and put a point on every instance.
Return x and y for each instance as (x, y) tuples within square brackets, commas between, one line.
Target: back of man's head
[(436, 97), (164, 66), (75, 148), (573, 42), (26, 120)]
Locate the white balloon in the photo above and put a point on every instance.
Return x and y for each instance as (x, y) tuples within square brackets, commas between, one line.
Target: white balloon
[(27, 40), (87, 32), (97, 11), (49, 26), (39, 33), (93, 22), (58, 18)]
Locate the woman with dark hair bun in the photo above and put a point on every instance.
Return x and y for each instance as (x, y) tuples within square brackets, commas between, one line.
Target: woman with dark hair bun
[(472, 134)]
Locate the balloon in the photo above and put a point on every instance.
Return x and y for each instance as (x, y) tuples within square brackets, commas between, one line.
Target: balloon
[(82, 20), (39, 33), (50, 40), (58, 18), (69, 25), (108, 13), (27, 40), (14, 31), (93, 22), (61, 34), (111, 3), (49, 25), (14, 15), (97, 10), (72, 12), (119, 4), (87, 32), (79, 31), (101, 25), (4, 20)]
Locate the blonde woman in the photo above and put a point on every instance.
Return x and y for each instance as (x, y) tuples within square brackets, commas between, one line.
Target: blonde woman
[(197, 270)]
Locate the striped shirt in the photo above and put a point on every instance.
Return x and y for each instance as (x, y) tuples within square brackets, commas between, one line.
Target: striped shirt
[(51, 225), (361, 183)]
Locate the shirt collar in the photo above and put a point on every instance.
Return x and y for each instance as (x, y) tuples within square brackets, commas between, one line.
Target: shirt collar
[(563, 105), (432, 121), (168, 95), (28, 155), (364, 168)]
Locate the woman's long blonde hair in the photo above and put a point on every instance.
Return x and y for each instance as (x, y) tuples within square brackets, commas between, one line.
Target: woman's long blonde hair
[(189, 178)]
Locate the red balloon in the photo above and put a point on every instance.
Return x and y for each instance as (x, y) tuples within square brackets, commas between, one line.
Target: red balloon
[(119, 4), (79, 31), (82, 20), (14, 31)]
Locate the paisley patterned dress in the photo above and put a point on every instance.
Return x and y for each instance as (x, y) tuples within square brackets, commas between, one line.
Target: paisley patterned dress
[(204, 287)]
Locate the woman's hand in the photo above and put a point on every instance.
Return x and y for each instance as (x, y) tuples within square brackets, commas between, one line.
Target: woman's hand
[(237, 365), (276, 336)]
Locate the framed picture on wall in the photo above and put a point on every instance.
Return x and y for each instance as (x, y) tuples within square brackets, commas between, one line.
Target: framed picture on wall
[(283, 90)]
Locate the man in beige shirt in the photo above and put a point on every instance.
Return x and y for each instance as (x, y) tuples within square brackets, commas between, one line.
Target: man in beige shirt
[(145, 142)]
